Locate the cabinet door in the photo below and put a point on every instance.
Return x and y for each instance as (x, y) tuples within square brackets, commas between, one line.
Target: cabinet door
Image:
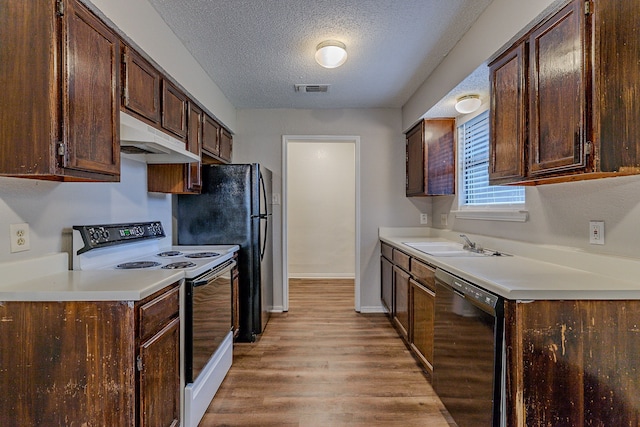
[(386, 284), (210, 136), (557, 117), (141, 83), (508, 117), (423, 305), (415, 181), (194, 144), (226, 145), (401, 301), (174, 110), (91, 101), (159, 378), (440, 157), (616, 103)]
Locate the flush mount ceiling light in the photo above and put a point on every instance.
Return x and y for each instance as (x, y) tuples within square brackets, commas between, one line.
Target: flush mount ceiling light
[(331, 53), (468, 104)]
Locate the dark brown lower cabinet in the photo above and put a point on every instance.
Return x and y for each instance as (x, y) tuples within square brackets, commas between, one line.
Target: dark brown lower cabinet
[(102, 363), (401, 301), (386, 284), (573, 363), (423, 305)]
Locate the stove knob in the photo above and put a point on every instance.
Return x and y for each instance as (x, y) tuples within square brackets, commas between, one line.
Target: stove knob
[(105, 234)]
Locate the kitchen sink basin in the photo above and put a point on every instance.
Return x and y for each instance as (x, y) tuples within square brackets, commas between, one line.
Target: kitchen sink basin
[(450, 249)]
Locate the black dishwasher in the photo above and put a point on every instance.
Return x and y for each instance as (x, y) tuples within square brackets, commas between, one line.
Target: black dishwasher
[(468, 351)]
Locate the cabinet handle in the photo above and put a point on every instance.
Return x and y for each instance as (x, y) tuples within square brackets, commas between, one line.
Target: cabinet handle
[(139, 364)]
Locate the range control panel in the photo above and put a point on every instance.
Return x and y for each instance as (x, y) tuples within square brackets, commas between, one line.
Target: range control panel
[(97, 236)]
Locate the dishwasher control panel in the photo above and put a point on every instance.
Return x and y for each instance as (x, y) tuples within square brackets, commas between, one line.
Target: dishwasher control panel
[(476, 293)]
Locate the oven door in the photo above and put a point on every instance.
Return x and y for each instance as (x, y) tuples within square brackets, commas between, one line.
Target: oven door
[(208, 315)]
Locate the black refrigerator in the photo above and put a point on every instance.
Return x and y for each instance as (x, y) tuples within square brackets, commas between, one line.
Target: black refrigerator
[(234, 207)]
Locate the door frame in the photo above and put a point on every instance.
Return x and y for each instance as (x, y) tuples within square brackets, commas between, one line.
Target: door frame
[(296, 139)]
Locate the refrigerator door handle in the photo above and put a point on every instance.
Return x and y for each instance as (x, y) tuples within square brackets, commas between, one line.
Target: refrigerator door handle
[(264, 216)]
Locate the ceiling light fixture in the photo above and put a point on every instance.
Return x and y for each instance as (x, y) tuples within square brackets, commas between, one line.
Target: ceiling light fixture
[(468, 104), (331, 53)]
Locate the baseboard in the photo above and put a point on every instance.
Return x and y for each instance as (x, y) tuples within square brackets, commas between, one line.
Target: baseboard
[(321, 276), (372, 309)]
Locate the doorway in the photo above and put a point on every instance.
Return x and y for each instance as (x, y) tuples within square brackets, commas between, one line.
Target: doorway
[(321, 209)]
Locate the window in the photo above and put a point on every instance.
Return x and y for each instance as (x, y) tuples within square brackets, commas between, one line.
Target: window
[(474, 188)]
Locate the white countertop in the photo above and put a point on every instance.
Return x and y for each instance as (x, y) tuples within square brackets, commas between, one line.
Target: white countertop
[(47, 278), (520, 277)]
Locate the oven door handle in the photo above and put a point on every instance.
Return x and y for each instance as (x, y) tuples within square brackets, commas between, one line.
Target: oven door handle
[(217, 271)]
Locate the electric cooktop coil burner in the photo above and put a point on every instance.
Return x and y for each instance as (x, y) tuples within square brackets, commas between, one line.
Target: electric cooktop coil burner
[(202, 255), (137, 264), (177, 265), (169, 253)]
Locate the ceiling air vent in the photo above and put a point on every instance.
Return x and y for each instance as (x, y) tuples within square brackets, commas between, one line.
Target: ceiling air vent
[(311, 88)]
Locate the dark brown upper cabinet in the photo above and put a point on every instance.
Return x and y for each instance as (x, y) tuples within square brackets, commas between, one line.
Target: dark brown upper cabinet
[(58, 116), (431, 158), (226, 145), (210, 137), (557, 80), (572, 75), (140, 87), (508, 117), (174, 110)]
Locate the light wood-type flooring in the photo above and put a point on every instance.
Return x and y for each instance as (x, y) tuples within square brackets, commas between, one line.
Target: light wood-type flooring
[(323, 364)]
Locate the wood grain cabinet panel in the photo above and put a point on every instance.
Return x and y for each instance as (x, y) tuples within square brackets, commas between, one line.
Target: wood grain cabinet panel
[(431, 158), (226, 145), (557, 73), (174, 110), (401, 301), (210, 137), (508, 121), (65, 111), (616, 122), (141, 87), (386, 285), (423, 304), (573, 363)]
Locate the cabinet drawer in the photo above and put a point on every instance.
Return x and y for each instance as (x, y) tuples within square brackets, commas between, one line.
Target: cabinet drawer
[(386, 251), (158, 312), (423, 273), (401, 259)]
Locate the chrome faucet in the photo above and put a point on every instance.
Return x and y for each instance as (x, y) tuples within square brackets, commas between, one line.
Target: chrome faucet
[(469, 245)]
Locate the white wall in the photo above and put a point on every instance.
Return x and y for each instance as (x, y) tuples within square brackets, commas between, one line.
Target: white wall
[(321, 209), (382, 163), (52, 208)]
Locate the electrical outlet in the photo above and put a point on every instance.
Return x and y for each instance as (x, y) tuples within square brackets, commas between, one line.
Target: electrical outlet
[(596, 232), (19, 235), (424, 218), (444, 218)]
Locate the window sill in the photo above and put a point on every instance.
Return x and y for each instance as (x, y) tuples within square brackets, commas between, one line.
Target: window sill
[(493, 215)]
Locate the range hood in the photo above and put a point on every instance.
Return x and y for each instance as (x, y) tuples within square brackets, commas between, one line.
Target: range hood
[(142, 142)]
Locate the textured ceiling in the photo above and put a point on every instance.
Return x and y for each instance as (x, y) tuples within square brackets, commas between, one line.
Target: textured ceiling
[(257, 50)]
